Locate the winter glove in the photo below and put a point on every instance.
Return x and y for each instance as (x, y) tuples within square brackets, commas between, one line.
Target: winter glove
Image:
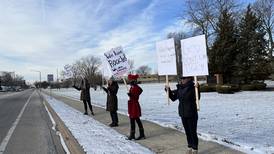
[(129, 94), (105, 89), (167, 88)]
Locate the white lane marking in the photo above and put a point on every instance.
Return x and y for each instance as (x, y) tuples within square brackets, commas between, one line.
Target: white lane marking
[(54, 128), (11, 130)]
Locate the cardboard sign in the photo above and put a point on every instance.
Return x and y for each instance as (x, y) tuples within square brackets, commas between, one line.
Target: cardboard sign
[(166, 57), (106, 72), (194, 56), (117, 61)]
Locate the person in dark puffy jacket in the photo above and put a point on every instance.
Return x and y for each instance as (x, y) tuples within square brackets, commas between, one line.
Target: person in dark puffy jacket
[(112, 101), (187, 108), (134, 109), (85, 95)]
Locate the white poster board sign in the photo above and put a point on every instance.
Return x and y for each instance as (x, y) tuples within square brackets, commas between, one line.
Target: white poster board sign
[(105, 69), (166, 57), (194, 56), (117, 61)]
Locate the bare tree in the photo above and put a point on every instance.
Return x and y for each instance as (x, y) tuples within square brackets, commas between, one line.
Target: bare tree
[(86, 67), (203, 14), (265, 10), (177, 38), (143, 70), (7, 79), (89, 67)]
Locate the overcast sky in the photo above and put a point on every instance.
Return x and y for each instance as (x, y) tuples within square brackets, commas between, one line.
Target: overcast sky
[(47, 34)]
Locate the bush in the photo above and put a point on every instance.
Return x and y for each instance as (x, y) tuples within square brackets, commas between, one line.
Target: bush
[(248, 87), (234, 87), (224, 89), (260, 86), (207, 87)]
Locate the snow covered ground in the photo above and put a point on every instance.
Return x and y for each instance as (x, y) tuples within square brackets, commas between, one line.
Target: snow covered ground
[(95, 137), (244, 120)]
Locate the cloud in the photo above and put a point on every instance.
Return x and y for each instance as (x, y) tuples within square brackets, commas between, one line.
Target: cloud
[(48, 34)]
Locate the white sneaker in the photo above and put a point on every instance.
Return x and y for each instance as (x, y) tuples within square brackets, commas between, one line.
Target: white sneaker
[(194, 151)]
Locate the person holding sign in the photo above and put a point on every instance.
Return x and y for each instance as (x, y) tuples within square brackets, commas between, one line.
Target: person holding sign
[(187, 108), (112, 101), (85, 95), (134, 109)]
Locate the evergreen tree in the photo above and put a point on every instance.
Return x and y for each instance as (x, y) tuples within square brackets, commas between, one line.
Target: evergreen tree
[(252, 61), (223, 52)]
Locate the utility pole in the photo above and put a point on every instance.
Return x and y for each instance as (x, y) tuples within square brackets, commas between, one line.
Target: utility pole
[(57, 76)]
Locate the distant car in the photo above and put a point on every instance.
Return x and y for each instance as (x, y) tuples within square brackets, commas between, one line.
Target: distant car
[(4, 89), (12, 89)]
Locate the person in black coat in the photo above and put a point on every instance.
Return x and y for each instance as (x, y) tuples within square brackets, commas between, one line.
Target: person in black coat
[(85, 95), (187, 108), (112, 101)]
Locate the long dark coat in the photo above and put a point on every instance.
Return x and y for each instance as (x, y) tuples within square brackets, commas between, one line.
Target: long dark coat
[(112, 101), (85, 93), (134, 109), (187, 101)]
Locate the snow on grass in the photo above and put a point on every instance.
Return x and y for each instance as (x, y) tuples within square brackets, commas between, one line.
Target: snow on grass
[(244, 120), (95, 137)]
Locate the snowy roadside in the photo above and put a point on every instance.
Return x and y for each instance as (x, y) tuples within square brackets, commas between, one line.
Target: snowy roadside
[(243, 121), (95, 137)]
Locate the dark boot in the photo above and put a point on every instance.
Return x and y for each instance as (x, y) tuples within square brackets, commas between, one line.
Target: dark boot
[(92, 113), (142, 135), (131, 136)]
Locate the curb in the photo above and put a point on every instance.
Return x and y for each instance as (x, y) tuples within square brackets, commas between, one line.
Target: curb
[(71, 143)]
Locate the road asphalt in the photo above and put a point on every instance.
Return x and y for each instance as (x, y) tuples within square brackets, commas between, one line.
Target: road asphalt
[(25, 127)]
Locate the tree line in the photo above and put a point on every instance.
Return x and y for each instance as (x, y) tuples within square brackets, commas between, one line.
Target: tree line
[(239, 42), (6, 79), (239, 39), (90, 67)]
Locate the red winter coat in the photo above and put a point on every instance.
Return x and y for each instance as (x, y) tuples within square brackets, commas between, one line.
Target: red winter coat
[(134, 109)]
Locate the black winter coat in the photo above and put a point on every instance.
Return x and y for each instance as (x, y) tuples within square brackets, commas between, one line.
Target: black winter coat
[(187, 101), (112, 101), (85, 94)]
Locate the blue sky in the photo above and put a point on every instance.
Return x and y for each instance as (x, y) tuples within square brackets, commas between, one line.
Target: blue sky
[(47, 34)]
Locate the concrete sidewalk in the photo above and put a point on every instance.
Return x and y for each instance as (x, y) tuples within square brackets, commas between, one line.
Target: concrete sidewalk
[(159, 139)]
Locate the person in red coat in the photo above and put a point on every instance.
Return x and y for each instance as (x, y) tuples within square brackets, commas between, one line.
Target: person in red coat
[(134, 109)]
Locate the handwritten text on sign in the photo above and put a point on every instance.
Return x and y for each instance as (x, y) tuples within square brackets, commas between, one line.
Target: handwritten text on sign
[(117, 61), (166, 57), (194, 56)]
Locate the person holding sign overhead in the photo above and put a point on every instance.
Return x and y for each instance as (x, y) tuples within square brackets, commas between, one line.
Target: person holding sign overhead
[(85, 95), (134, 109), (112, 101), (187, 108)]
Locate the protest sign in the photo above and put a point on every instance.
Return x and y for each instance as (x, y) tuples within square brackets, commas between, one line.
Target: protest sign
[(194, 56), (194, 59), (117, 61), (166, 57)]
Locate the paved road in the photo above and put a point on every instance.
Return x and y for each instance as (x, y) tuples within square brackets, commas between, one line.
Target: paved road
[(25, 126)]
